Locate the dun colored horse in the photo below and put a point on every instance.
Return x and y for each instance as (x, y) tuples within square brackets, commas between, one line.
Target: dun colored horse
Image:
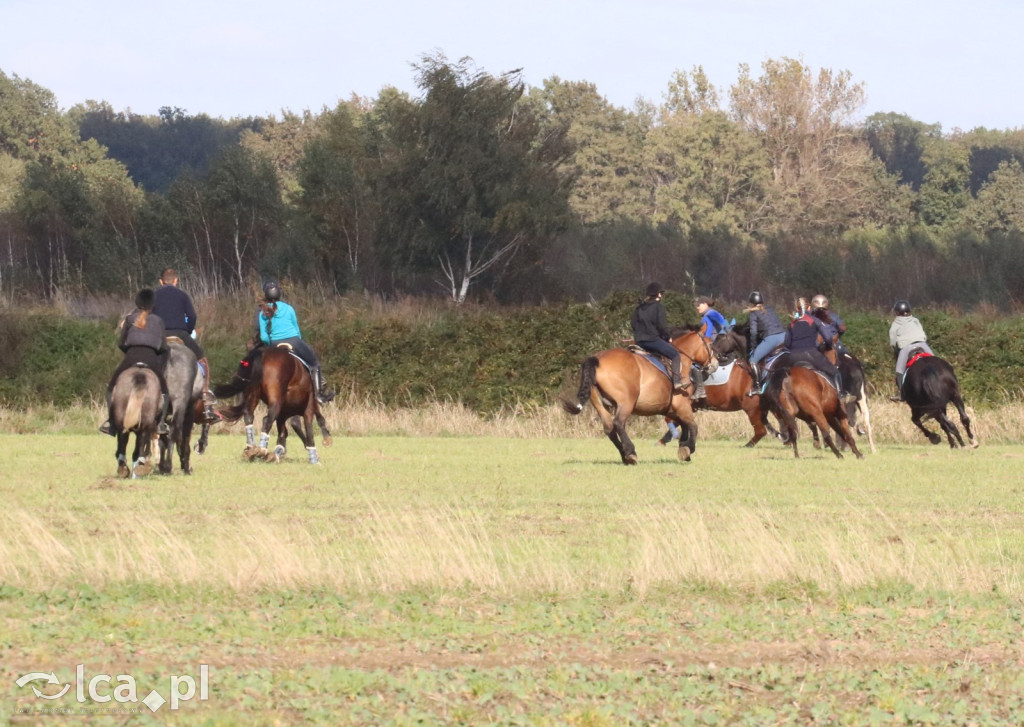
[(279, 379), (135, 408), (929, 386), (620, 383), (800, 392)]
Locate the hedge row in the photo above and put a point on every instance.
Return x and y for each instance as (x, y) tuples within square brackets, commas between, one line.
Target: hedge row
[(486, 358)]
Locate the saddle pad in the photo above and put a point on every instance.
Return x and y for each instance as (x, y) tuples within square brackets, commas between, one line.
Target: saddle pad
[(650, 357), (720, 376), (916, 356)]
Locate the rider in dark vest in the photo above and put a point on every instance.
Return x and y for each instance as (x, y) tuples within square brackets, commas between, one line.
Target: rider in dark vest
[(803, 338), (143, 341)]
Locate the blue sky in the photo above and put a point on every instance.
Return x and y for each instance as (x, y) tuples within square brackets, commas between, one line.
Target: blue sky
[(953, 63)]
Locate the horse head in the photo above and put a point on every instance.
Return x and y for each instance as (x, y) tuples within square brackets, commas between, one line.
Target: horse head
[(729, 345), (694, 345)]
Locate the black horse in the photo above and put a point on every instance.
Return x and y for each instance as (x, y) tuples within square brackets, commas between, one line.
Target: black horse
[(929, 386)]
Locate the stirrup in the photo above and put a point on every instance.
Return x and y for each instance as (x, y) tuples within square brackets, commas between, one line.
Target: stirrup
[(208, 397), (162, 429)]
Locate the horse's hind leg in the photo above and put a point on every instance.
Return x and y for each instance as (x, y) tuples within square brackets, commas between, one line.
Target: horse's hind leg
[(122, 459), (950, 429), (841, 426), (932, 436), (959, 404)]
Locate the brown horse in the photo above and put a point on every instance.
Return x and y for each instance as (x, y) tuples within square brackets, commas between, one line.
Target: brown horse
[(620, 383), (279, 379), (727, 390), (800, 392)]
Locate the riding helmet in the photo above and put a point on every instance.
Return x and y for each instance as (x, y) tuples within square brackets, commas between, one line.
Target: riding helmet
[(902, 307), (819, 301), (144, 300), (654, 290), (756, 298), (271, 291)]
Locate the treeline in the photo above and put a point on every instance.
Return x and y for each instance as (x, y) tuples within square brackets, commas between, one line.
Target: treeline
[(481, 187), (485, 357)]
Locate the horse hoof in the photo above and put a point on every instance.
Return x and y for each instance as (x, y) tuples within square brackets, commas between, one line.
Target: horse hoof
[(141, 470), (629, 459), (123, 471), (328, 441), (684, 454)]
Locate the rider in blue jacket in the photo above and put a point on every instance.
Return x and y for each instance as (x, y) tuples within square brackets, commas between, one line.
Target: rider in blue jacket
[(276, 323)]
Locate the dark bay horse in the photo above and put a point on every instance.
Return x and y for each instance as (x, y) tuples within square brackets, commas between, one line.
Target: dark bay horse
[(135, 408), (278, 378), (620, 383), (730, 346), (929, 386), (801, 392), (856, 404)]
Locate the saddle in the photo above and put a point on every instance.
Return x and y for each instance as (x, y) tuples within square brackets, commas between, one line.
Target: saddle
[(660, 362)]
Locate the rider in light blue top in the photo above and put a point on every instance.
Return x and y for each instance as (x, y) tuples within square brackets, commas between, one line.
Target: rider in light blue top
[(276, 323)]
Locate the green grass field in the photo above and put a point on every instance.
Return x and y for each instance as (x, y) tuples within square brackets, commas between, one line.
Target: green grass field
[(437, 569)]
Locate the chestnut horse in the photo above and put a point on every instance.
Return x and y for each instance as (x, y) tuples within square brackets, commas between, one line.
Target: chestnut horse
[(929, 386), (801, 392), (620, 383), (277, 377)]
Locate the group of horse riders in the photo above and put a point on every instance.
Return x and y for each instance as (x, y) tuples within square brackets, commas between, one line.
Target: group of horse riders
[(814, 327), (168, 312)]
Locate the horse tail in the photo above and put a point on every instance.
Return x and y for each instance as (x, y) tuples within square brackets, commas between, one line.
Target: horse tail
[(252, 368), (588, 371), (232, 413), (133, 408)]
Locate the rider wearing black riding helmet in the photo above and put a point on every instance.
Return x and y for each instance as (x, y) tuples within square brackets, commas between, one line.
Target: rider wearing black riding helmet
[(905, 333), (276, 323), (650, 330), (766, 334)]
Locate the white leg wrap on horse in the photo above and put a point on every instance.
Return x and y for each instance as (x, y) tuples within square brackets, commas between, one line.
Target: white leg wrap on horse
[(264, 440), (250, 434), (313, 459)]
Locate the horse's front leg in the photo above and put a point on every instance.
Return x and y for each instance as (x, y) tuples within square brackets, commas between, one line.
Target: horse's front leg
[(683, 412), (281, 448), (324, 431)]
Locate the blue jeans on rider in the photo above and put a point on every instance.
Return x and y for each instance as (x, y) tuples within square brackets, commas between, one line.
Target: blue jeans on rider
[(765, 347)]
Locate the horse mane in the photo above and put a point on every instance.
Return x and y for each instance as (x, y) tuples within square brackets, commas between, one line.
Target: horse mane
[(822, 315), (677, 331)]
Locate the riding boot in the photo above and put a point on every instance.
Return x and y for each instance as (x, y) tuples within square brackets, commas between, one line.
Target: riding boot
[(165, 406), (677, 377), (899, 390), (699, 394), (209, 414), (755, 385), (106, 427), (318, 383)]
